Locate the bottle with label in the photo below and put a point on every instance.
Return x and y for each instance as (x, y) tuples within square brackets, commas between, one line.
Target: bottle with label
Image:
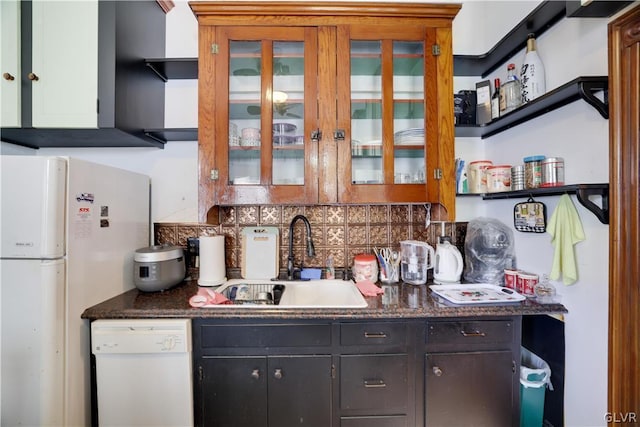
[(510, 91), (532, 72), (495, 100)]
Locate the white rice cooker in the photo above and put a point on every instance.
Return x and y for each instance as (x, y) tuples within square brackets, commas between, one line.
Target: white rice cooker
[(157, 268)]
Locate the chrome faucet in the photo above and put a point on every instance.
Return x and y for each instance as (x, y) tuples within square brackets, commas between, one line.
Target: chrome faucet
[(310, 249)]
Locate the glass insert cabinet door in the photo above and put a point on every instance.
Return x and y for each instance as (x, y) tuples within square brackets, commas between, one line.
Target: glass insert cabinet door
[(268, 142), (386, 116)]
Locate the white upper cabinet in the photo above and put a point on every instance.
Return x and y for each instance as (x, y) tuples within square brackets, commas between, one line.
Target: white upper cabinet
[(64, 69), (10, 68), (79, 73)]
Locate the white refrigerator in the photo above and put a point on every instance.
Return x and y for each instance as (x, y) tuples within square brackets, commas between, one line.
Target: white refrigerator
[(69, 230)]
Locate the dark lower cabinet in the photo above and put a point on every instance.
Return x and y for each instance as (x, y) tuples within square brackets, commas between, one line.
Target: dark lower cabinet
[(469, 389), (276, 391), (262, 373), (234, 391), (299, 391), (471, 372), (383, 373)]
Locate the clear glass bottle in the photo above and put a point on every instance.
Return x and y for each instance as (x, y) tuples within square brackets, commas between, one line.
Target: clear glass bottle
[(532, 73), (510, 91)]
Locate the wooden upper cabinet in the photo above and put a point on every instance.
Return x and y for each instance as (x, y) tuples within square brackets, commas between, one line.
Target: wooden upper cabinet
[(325, 103)]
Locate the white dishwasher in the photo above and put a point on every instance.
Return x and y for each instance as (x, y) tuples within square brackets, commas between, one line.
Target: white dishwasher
[(143, 372)]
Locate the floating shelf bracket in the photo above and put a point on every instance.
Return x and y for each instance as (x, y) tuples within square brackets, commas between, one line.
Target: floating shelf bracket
[(587, 91), (584, 192)]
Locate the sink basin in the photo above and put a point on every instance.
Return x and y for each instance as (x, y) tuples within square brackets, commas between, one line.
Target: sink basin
[(292, 294)]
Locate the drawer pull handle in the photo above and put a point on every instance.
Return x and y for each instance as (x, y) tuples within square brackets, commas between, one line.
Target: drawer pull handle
[(473, 334), (278, 374), (375, 335), (255, 374), (374, 384), (437, 371)]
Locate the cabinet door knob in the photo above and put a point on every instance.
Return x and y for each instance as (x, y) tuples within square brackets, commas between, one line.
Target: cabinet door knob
[(33, 77), (278, 374), (339, 134), (255, 374), (437, 371), (8, 76)]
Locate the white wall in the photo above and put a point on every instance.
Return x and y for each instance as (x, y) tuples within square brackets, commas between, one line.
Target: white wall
[(572, 48), (576, 132)]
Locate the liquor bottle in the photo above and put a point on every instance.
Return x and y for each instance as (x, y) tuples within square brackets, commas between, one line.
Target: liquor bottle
[(532, 72), (510, 91), (495, 100)]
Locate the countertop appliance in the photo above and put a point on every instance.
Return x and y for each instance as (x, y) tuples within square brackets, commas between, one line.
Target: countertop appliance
[(447, 267), (143, 372), (158, 267), (489, 249), (69, 230)]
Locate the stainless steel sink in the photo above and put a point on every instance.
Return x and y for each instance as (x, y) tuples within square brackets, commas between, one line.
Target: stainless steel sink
[(292, 294)]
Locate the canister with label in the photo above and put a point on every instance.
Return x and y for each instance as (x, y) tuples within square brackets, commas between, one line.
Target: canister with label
[(365, 267), (476, 176), (553, 172), (498, 178), (533, 171)]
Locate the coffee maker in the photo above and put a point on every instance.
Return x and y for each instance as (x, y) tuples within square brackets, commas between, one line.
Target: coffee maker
[(489, 249)]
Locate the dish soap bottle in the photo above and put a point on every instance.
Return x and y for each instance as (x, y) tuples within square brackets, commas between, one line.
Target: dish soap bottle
[(532, 73)]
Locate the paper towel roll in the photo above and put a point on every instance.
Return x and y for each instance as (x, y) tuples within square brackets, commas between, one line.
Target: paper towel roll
[(212, 266)]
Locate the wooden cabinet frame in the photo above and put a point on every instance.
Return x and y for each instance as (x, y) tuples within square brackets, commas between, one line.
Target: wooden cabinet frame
[(624, 233), (327, 164)]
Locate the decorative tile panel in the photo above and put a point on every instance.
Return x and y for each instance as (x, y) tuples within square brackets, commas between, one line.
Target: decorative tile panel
[(248, 215), (378, 235), (335, 237), (336, 214), (378, 214), (184, 232), (356, 214), (270, 215), (357, 235), (399, 214), (227, 215), (341, 231)]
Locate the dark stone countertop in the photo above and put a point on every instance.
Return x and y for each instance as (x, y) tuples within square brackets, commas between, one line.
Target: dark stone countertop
[(400, 301)]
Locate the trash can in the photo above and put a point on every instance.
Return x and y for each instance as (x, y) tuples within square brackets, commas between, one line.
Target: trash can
[(535, 377)]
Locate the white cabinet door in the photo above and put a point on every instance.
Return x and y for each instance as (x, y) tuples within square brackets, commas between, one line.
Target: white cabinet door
[(65, 61), (10, 69)]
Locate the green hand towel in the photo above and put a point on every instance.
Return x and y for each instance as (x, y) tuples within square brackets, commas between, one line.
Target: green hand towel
[(566, 230)]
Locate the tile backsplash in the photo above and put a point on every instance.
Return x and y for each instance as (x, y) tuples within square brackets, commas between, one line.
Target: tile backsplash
[(341, 231)]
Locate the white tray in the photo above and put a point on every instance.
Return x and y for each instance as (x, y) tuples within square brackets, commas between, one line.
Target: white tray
[(476, 293)]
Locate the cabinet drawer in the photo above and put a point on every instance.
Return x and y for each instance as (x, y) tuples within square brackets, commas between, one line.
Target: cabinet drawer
[(266, 335), (374, 382), (470, 333), (379, 421), (373, 333)]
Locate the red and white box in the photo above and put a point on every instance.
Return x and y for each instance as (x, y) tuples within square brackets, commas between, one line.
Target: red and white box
[(510, 278), (526, 282)]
